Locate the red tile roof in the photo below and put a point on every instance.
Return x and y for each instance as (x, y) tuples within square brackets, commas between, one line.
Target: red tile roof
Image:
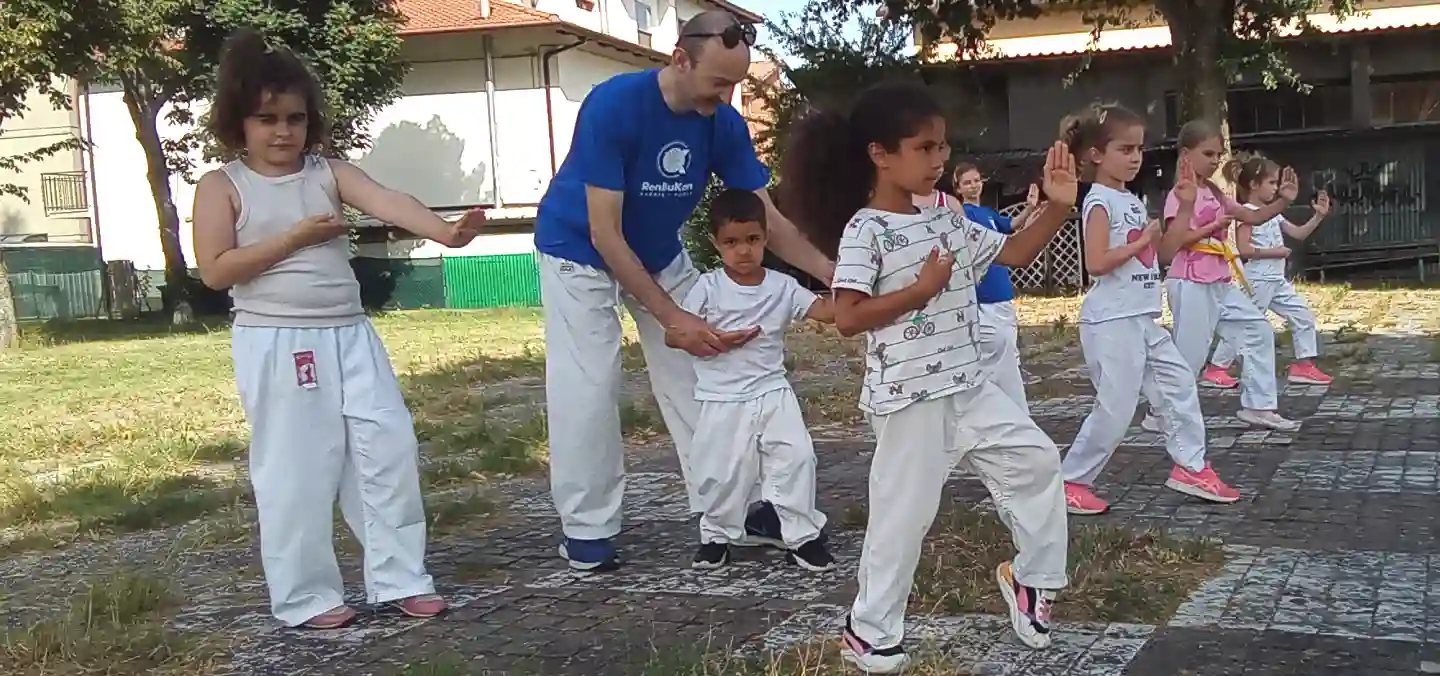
[(444, 16)]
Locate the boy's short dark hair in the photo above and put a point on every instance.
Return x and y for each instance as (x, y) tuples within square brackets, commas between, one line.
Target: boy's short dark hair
[(735, 205)]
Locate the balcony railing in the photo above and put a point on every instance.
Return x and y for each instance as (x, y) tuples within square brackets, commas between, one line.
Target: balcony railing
[(64, 193)]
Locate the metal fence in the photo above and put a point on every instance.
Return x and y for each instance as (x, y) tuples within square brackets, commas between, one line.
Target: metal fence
[(55, 282)]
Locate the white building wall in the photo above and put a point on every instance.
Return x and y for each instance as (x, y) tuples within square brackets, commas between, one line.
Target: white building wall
[(621, 18), (41, 126), (434, 143)]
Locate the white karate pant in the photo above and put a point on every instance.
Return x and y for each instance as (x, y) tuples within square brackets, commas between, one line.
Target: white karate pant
[(1280, 296), (1000, 349), (347, 432), (1124, 356), (582, 389), (983, 431), (740, 442), (1199, 310)]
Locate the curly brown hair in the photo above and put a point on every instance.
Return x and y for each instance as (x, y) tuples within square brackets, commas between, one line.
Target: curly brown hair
[(252, 70)]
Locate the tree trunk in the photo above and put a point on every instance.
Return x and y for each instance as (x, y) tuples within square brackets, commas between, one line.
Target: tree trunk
[(9, 325), (145, 114), (1201, 82)]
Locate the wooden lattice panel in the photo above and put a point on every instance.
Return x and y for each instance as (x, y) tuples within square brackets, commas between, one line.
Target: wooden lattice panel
[(1061, 265)]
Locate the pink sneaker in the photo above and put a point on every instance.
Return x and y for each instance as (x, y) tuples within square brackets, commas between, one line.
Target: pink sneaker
[(1080, 500), (1307, 373), (1218, 378), (1203, 484), (422, 606)]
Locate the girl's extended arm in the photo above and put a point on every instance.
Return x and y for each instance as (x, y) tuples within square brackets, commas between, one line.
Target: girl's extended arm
[(358, 190), (856, 313), (1245, 245), (1289, 189), (823, 309), (1301, 232), (1100, 257), (222, 264), (1322, 209)]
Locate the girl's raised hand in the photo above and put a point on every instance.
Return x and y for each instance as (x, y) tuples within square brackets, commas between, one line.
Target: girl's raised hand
[(1289, 184), (465, 230), (1185, 182), (1032, 199), (1059, 182), (1322, 204)]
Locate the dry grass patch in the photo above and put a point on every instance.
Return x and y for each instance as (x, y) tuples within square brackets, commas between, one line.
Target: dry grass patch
[(114, 626), (1116, 575)]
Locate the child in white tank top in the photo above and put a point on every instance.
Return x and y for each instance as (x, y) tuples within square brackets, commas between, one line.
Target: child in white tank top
[(1126, 349), (326, 413)]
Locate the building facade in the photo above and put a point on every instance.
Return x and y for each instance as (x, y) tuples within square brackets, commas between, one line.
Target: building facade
[(1367, 131)]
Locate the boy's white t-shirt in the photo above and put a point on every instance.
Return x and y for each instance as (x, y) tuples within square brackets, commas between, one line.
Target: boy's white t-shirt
[(1134, 288), (1267, 235), (758, 366), (933, 352)]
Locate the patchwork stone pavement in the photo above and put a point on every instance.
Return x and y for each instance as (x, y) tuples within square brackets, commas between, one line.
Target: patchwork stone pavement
[(1333, 565)]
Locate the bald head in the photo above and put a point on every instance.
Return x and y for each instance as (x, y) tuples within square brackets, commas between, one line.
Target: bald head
[(702, 32)]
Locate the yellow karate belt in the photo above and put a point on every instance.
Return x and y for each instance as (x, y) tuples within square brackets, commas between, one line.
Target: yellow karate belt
[(1214, 246)]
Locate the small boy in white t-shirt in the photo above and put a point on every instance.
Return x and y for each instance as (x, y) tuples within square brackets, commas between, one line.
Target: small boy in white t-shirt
[(750, 421)]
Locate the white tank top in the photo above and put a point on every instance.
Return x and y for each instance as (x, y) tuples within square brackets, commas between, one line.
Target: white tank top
[(315, 286)]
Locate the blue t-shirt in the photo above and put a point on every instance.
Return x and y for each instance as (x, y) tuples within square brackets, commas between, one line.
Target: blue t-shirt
[(995, 287), (627, 140)]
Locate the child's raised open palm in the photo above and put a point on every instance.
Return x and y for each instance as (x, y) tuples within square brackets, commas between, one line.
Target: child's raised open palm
[(1322, 204), (1289, 184), (1185, 182), (1060, 183)]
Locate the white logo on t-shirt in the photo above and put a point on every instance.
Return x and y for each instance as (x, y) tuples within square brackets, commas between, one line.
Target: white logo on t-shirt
[(674, 160)]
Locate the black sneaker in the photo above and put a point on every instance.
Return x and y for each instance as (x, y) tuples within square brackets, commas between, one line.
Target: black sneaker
[(870, 659), (762, 528), (711, 555), (813, 556)]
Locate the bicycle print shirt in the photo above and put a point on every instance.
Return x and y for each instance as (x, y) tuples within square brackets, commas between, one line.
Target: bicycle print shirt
[(932, 352)]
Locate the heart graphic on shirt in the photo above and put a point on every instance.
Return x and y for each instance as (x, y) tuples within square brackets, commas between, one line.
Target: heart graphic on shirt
[(1146, 257)]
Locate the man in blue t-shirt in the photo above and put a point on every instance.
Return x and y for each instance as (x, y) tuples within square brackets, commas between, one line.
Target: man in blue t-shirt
[(608, 231)]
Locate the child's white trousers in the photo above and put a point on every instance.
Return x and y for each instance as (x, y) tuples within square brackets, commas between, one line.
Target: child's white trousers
[(327, 417), (1000, 349), (582, 389), (983, 431), (1124, 357), (1280, 297), (1199, 310), (740, 442)]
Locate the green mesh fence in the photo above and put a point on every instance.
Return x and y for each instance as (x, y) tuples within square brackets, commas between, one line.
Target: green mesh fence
[(56, 282), (473, 282)]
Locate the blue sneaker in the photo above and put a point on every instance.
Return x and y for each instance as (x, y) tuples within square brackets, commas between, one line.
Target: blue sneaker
[(762, 528), (593, 556)]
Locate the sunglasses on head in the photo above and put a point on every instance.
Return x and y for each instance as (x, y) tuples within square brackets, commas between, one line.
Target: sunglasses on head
[(733, 35)]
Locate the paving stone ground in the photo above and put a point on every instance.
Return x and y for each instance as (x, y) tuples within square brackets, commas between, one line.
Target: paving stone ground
[(1333, 565)]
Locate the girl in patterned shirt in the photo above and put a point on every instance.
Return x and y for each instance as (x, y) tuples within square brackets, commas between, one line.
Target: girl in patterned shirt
[(905, 276)]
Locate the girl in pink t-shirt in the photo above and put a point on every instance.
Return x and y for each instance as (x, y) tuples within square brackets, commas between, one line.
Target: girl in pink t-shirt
[(1202, 297)]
